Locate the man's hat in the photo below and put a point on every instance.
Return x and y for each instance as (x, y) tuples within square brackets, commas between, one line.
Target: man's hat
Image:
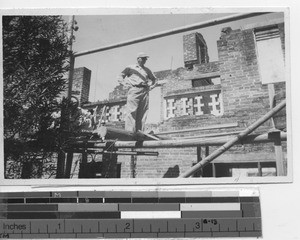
[(142, 55)]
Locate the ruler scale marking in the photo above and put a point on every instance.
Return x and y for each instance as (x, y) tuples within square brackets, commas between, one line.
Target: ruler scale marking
[(229, 214)]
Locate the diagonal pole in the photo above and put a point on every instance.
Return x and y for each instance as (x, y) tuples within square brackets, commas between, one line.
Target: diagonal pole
[(233, 141)]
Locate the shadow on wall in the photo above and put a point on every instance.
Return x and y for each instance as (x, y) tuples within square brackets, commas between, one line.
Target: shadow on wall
[(172, 172)]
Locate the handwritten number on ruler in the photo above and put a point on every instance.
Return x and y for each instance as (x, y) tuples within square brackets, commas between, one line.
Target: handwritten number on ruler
[(212, 221)]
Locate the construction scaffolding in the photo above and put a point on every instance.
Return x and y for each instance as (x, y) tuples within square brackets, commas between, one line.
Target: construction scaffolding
[(225, 142)]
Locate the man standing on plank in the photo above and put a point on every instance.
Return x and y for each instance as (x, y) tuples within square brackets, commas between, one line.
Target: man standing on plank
[(140, 80)]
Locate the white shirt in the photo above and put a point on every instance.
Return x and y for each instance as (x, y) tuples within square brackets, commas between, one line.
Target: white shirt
[(137, 75)]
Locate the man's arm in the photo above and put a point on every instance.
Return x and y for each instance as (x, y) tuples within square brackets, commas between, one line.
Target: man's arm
[(153, 79)]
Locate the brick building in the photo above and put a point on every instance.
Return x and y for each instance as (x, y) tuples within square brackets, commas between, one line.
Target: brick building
[(209, 99)]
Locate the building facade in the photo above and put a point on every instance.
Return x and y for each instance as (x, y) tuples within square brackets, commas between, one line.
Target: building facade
[(208, 99)]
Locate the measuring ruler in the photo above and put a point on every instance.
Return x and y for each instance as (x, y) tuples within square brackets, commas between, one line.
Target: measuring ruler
[(130, 214)]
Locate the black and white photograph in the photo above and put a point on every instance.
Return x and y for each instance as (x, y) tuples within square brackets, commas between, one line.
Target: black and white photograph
[(146, 94), (162, 119)]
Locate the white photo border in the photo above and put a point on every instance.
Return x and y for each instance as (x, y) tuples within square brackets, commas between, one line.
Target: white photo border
[(154, 181)]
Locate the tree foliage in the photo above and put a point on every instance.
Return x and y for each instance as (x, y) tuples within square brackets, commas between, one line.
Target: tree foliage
[(35, 63)]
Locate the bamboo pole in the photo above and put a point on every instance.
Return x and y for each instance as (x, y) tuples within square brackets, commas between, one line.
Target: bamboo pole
[(71, 57), (191, 27), (216, 141), (234, 140), (126, 153)]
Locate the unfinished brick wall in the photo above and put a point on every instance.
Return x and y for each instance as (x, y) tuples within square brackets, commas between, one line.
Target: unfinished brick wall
[(244, 100), (194, 50), (241, 85)]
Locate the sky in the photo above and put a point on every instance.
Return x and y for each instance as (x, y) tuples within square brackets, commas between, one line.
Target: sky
[(96, 31)]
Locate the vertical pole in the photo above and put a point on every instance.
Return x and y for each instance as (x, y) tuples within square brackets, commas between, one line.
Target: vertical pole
[(214, 172), (71, 74), (60, 164), (259, 169), (109, 161), (83, 166), (206, 151), (69, 164), (278, 154), (133, 165), (271, 90), (71, 57), (213, 165), (60, 172), (84, 160), (199, 158)]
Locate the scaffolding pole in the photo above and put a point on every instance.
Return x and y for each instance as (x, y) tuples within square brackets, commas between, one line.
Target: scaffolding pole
[(191, 27), (215, 141), (233, 141)]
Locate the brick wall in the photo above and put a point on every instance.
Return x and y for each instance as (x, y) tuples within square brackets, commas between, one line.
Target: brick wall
[(241, 85), (81, 84), (245, 98), (191, 50)]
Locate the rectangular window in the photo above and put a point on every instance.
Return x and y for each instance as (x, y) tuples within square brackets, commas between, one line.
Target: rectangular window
[(200, 82)]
